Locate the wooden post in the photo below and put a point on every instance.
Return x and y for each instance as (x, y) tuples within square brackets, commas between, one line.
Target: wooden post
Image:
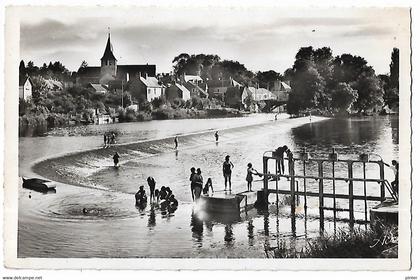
[(304, 187), (334, 199), (265, 180), (292, 193), (382, 176), (321, 194), (364, 189), (351, 200)]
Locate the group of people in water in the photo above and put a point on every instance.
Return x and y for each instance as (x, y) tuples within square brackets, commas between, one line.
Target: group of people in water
[(164, 197), (197, 188)]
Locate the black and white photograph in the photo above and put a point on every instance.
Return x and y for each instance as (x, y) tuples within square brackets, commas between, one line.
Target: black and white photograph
[(159, 136)]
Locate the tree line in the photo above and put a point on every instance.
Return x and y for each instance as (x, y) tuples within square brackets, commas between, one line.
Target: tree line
[(341, 84)]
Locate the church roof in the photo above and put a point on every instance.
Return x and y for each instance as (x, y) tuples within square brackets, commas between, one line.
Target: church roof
[(90, 71), (108, 54)]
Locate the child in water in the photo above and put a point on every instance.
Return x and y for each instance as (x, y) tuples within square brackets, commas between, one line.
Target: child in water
[(250, 171), (207, 186)]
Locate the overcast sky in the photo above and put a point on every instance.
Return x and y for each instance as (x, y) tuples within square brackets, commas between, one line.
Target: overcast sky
[(261, 38)]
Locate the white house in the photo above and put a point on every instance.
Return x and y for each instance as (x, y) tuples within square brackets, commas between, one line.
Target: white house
[(152, 87), (25, 88), (193, 79)]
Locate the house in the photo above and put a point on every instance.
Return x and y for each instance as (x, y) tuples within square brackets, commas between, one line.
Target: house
[(111, 71), (25, 88), (192, 78), (218, 88), (177, 91), (197, 90), (281, 90), (98, 88), (257, 94), (151, 88)]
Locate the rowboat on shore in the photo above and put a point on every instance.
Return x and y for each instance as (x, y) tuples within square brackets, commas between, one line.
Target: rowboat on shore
[(39, 185)]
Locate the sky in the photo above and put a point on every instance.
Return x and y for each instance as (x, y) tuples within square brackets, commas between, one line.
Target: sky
[(261, 38)]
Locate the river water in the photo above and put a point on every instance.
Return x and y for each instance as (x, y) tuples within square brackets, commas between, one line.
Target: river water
[(54, 225)]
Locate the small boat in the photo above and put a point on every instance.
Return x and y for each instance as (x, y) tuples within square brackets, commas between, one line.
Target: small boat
[(39, 185)]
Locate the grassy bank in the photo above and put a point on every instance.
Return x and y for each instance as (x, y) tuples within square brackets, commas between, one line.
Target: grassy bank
[(378, 241)]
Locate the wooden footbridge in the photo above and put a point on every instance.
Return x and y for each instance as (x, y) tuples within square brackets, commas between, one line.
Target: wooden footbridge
[(326, 173), (327, 180)]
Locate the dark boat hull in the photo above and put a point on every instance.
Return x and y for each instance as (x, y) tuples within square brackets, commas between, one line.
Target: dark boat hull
[(38, 185)]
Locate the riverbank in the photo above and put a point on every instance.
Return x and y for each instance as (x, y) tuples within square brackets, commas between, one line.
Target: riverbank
[(43, 124)]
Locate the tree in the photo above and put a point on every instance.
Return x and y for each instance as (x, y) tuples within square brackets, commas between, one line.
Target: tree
[(267, 78), (307, 91), (370, 93), (343, 97), (394, 68)]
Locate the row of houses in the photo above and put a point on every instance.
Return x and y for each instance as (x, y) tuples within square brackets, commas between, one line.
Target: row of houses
[(142, 79)]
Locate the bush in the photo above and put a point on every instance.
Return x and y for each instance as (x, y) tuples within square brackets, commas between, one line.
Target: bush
[(163, 114), (32, 125)]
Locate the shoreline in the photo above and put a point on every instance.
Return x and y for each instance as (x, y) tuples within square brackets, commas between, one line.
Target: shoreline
[(44, 166)]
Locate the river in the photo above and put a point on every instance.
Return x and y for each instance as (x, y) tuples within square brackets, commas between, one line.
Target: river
[(54, 225)]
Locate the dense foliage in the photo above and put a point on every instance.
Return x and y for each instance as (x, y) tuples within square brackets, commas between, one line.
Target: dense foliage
[(340, 84)]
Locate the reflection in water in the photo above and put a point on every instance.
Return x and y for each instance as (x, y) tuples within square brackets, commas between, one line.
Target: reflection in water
[(250, 228), (197, 229), (229, 235), (151, 223)]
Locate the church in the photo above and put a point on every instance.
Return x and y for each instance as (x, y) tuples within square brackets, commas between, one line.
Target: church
[(110, 73)]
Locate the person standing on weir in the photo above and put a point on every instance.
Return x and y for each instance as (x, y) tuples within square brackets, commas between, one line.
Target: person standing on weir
[(394, 166), (250, 171), (227, 172), (279, 153), (216, 135), (176, 142)]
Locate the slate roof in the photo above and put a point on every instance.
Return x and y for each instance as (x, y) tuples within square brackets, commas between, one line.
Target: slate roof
[(150, 82), (98, 87)]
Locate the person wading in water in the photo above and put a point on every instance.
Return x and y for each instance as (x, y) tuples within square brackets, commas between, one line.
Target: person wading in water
[(216, 135), (191, 180), (116, 159), (176, 142), (227, 172)]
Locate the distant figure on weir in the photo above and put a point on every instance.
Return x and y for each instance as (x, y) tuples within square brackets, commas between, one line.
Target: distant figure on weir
[(279, 153), (207, 187), (105, 140), (116, 158), (216, 135), (176, 142), (152, 184), (191, 180), (249, 172), (113, 138), (198, 184), (227, 172), (394, 166)]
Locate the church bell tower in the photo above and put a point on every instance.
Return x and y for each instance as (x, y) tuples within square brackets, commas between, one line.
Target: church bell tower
[(108, 62)]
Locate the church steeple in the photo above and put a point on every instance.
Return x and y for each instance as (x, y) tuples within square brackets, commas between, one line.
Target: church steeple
[(108, 54), (108, 62)]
